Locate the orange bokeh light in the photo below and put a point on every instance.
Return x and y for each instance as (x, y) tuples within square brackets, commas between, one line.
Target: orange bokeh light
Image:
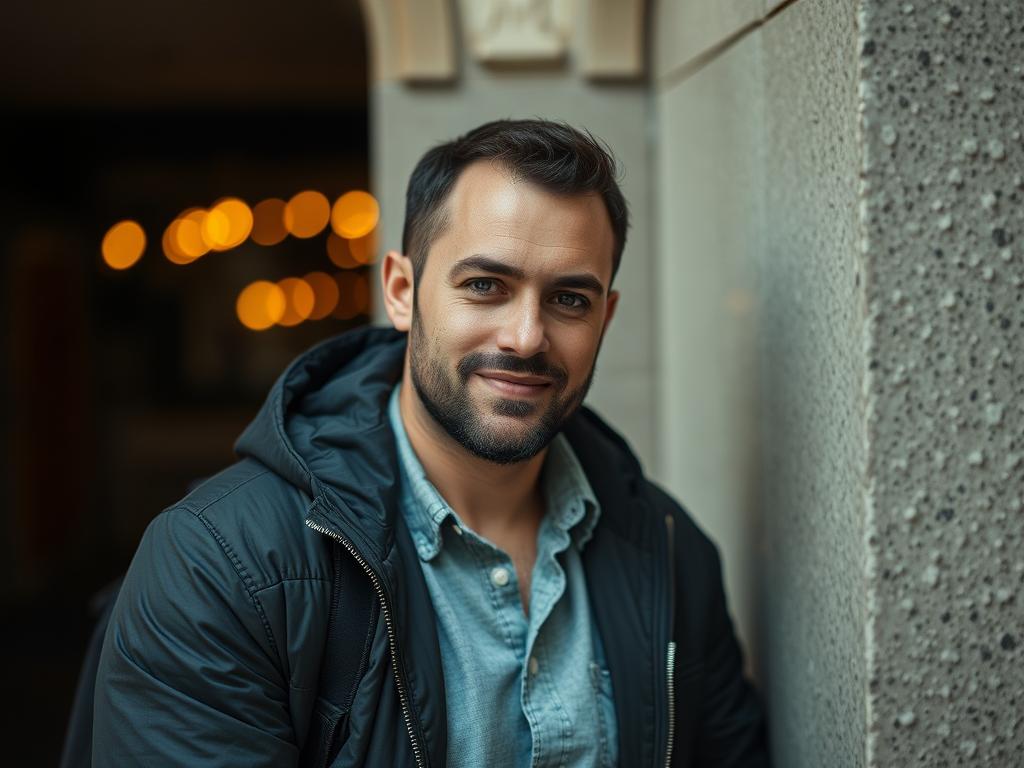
[(339, 253), (227, 224), (364, 249), (268, 222), (260, 305), (307, 213), (299, 301), (170, 248), (215, 229), (325, 294), (183, 240), (354, 291), (355, 214), (123, 245)]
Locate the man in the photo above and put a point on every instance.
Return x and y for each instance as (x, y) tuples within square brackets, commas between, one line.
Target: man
[(536, 600)]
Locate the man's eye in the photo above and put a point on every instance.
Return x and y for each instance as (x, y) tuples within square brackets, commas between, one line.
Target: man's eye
[(571, 301), (481, 285)]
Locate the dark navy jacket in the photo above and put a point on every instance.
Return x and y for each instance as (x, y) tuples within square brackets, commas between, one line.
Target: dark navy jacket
[(214, 647)]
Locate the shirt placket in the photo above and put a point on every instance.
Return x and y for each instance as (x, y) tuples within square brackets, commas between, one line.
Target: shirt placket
[(499, 577), (549, 722)]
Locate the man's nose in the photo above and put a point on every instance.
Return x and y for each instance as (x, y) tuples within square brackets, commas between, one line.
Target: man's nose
[(523, 332)]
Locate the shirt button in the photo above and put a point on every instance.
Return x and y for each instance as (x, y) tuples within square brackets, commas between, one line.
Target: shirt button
[(499, 577), (534, 665)]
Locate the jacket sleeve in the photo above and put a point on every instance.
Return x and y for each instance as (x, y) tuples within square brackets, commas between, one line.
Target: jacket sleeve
[(731, 731), (188, 673)]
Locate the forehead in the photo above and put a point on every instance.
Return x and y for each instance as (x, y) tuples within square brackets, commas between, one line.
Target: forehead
[(491, 211)]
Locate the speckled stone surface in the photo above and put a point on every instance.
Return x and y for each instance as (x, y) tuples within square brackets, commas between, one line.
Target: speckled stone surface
[(942, 223), (812, 368)]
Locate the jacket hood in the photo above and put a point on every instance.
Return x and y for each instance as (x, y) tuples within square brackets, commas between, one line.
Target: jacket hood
[(324, 428)]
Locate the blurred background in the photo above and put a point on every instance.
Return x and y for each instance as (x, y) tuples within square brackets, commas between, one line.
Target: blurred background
[(816, 350), (167, 242)]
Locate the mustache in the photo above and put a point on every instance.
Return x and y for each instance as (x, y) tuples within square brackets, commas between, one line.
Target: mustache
[(537, 365)]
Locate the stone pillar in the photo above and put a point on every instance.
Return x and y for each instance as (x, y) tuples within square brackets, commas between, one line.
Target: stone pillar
[(440, 68), (942, 227), (839, 238)]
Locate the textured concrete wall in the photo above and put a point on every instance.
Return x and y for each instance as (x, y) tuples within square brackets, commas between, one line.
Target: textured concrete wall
[(863, 174), (813, 451), (942, 218), (760, 296), (407, 120)]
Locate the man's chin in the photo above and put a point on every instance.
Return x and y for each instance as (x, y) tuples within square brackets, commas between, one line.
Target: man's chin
[(505, 446), (504, 431), (501, 428)]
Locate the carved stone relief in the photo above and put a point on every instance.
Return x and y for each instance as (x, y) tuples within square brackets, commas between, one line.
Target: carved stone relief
[(415, 40), (517, 31)]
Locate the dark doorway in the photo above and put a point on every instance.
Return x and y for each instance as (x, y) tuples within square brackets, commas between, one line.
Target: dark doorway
[(122, 387)]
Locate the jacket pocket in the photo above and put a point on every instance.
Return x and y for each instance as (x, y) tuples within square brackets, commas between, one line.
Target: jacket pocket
[(601, 681), (327, 730)]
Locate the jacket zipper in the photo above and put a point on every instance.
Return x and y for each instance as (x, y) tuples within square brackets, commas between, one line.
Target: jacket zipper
[(386, 610), (670, 656)]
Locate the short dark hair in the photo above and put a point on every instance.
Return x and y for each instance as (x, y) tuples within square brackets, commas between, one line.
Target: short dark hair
[(555, 156)]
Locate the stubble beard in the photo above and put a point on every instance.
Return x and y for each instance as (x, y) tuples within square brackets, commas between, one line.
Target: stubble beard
[(447, 400)]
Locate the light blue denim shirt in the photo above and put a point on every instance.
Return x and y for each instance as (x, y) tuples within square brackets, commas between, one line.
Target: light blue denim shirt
[(519, 691)]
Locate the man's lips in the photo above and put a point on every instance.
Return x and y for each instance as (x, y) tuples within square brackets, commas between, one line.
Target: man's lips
[(514, 384)]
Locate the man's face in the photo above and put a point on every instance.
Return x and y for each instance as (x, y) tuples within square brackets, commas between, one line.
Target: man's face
[(509, 312)]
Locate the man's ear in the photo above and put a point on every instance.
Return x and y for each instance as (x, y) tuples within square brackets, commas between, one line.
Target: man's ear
[(611, 304), (396, 275)]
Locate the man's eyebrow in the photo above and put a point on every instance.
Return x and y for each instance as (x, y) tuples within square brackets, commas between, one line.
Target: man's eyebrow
[(483, 263), (480, 263), (583, 282)]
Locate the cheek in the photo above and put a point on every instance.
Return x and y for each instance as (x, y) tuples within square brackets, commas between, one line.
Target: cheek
[(579, 349), (453, 332), (459, 320), (466, 328)]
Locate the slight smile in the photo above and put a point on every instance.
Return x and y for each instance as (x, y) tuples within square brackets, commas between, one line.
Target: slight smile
[(513, 385)]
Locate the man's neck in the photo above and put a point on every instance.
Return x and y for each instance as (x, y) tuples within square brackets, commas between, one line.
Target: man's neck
[(495, 500)]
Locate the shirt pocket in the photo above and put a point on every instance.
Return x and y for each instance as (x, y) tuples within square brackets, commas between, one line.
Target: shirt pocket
[(601, 682)]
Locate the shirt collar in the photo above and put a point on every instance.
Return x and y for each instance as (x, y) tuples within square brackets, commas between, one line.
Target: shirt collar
[(571, 503), (422, 506)]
